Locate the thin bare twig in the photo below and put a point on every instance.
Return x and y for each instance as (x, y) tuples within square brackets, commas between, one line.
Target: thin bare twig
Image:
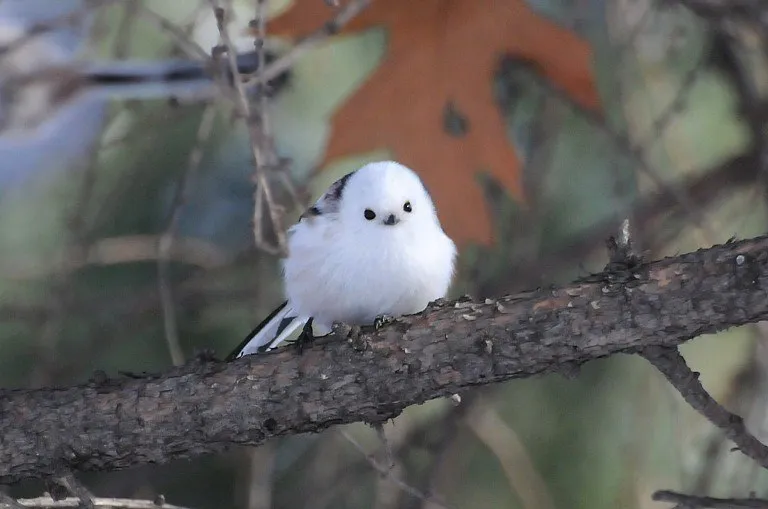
[(385, 471), (191, 48), (661, 122), (420, 437), (684, 501), (256, 122), (386, 446), (387, 494), (262, 459), (286, 61), (622, 143), (262, 81), (263, 158), (674, 368), (260, 23), (165, 244)]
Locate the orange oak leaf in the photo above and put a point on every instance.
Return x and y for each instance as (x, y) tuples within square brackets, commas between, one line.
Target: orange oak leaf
[(441, 57)]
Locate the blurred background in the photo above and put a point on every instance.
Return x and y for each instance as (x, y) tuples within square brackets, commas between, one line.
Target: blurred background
[(141, 217)]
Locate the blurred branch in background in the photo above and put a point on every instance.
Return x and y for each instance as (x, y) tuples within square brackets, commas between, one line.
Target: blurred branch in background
[(120, 250), (683, 501), (166, 242), (505, 444), (386, 471)]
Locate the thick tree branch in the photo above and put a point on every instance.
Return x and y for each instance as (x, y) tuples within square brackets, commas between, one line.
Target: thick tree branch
[(205, 406)]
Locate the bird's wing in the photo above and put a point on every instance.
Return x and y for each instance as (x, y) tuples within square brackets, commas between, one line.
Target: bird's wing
[(275, 328)]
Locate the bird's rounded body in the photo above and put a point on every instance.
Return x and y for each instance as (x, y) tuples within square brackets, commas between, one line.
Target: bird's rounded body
[(353, 279), (372, 245)]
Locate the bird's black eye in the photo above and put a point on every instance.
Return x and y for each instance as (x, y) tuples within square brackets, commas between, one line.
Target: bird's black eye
[(369, 214), (407, 207)]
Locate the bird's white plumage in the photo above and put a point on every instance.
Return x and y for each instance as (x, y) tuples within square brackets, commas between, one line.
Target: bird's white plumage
[(344, 266)]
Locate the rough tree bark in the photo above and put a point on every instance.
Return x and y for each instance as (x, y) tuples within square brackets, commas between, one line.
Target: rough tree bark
[(372, 376)]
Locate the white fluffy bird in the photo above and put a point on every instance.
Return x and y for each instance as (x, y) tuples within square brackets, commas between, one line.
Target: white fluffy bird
[(372, 245)]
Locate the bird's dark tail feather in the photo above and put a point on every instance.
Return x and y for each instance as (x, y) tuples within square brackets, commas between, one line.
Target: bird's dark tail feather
[(270, 332)]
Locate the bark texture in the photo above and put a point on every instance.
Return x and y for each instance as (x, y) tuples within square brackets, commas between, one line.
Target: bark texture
[(372, 376)]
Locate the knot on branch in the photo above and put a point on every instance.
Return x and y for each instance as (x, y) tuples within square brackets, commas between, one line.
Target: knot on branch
[(624, 265), (625, 268)]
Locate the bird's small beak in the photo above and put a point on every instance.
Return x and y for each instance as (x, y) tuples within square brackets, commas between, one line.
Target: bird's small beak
[(391, 220)]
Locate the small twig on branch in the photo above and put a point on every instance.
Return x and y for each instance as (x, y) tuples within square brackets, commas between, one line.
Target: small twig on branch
[(692, 501), (674, 368)]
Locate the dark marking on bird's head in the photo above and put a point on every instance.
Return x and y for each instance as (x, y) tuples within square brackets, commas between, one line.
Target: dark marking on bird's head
[(329, 203), (337, 188)]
